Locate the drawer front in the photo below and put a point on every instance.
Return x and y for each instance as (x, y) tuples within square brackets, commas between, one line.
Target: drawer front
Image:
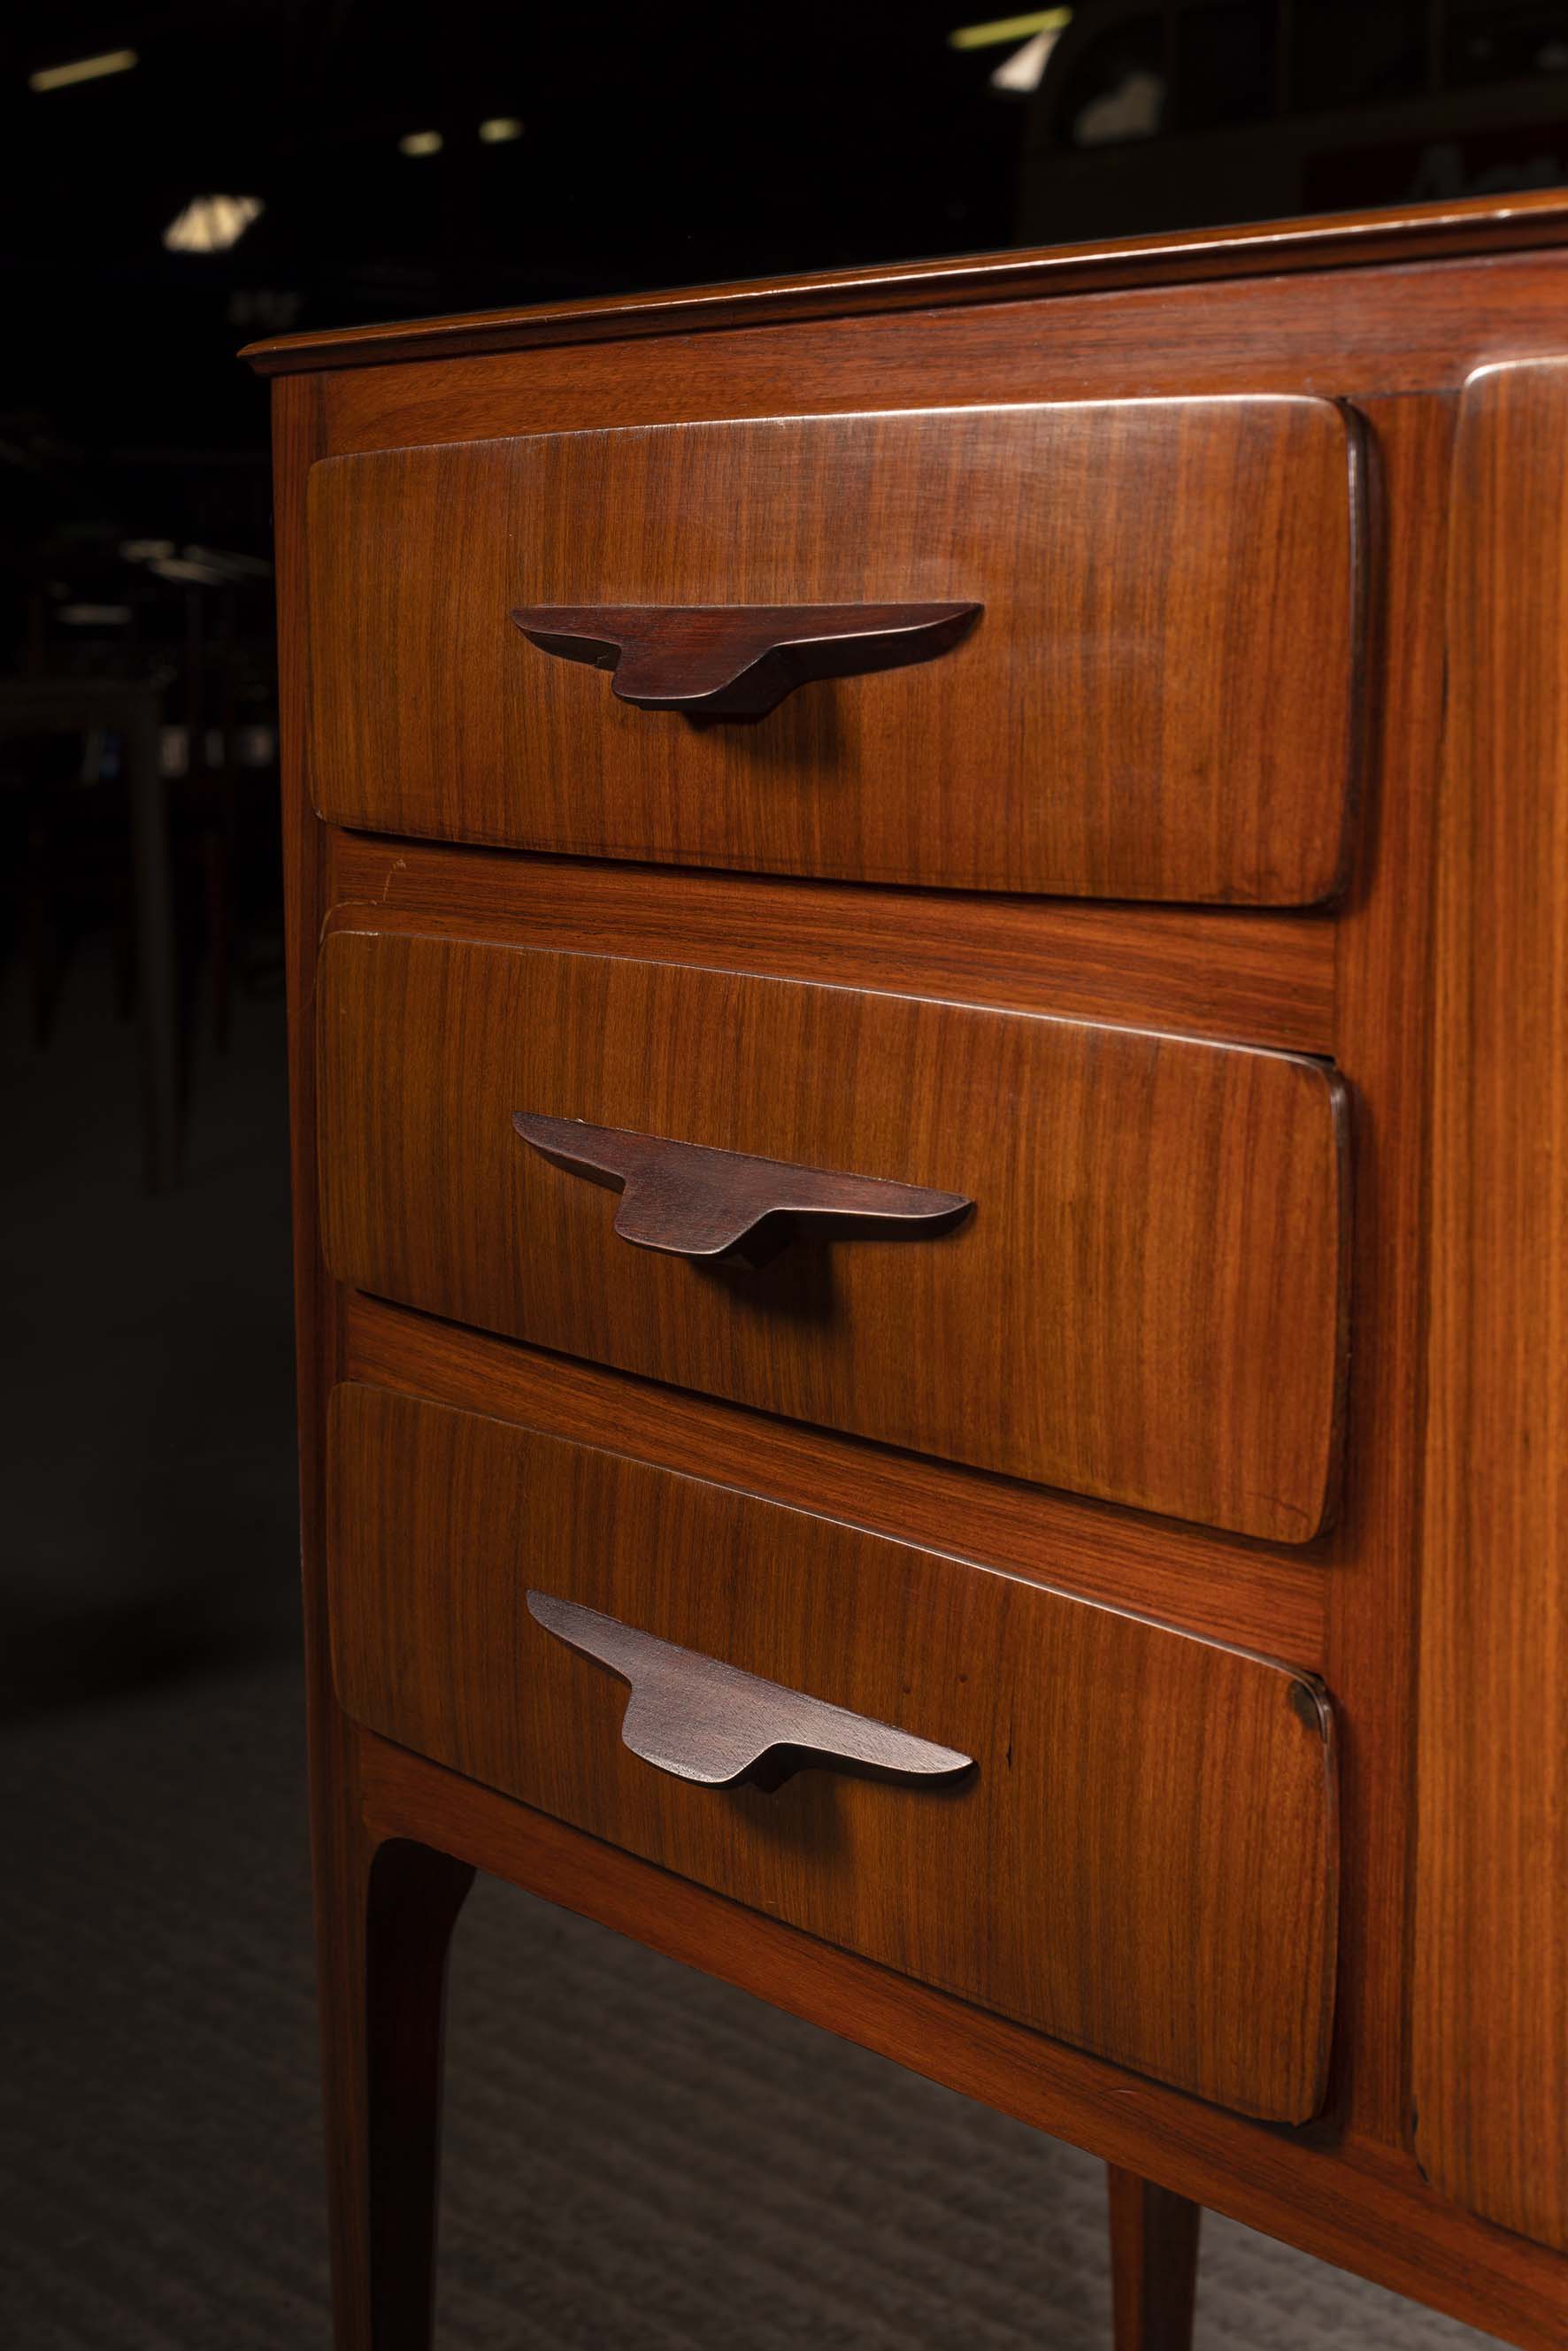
[(1142, 1860), (1155, 701), (1145, 1302)]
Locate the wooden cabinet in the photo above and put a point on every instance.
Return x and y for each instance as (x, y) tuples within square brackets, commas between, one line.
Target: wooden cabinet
[(873, 864)]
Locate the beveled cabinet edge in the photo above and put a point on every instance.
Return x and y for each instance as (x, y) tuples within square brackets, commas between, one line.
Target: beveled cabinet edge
[(1403, 233)]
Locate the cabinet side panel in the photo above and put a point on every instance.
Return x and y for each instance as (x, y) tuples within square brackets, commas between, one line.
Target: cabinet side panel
[(1490, 2016)]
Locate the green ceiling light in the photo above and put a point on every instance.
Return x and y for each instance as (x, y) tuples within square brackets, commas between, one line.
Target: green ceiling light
[(1009, 28), (112, 61)]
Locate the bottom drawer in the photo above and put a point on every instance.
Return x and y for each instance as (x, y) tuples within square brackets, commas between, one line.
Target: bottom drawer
[(1125, 1836)]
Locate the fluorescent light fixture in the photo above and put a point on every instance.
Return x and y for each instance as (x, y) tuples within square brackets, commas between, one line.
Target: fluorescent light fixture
[(500, 127), (1025, 69), (421, 143), (1009, 28), (112, 61), (211, 223), (145, 550)]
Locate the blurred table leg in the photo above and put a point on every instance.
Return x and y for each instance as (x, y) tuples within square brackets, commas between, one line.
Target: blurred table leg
[(157, 1004)]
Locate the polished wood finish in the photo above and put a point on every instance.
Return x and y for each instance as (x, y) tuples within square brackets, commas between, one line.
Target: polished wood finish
[(1142, 1862), (712, 1205), (1490, 2062), (1347, 2200), (1270, 979), (1409, 232), (1153, 2263), (737, 662), (710, 1723), (1222, 1585), (1158, 702), (1392, 318), (1148, 1303), (384, 2014)]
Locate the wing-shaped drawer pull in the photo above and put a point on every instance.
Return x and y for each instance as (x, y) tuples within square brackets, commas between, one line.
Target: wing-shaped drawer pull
[(703, 1721), (691, 1201), (738, 661)]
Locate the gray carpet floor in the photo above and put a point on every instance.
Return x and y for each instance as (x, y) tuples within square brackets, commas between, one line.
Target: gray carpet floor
[(635, 2156)]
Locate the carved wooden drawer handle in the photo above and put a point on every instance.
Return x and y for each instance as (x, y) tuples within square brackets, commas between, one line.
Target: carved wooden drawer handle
[(738, 661), (691, 1201), (707, 1721)]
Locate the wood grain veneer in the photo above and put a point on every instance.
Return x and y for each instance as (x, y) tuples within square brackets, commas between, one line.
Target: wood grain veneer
[(1228, 1586), (1268, 980), (1146, 1305), (1491, 1953), (1198, 1950), (1156, 700)]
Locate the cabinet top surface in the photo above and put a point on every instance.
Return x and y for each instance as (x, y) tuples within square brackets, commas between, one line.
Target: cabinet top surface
[(1474, 227)]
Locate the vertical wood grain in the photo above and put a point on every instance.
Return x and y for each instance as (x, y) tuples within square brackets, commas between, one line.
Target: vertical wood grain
[(1144, 1861), (1155, 701), (1153, 2263), (1146, 1305), (1382, 1041), (1491, 2006)]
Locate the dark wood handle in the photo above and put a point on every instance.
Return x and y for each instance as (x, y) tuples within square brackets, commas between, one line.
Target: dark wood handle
[(707, 1721), (738, 661), (693, 1202)]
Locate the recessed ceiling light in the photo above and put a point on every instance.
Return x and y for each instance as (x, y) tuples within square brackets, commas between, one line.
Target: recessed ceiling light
[(211, 223), (499, 128), (112, 61), (421, 143)]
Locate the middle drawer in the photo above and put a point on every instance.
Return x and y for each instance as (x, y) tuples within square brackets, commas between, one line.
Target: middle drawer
[(1145, 1301)]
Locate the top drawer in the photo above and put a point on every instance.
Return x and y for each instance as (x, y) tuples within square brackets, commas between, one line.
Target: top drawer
[(1154, 702)]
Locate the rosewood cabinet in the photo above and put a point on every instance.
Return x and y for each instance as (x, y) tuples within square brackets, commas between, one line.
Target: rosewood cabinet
[(930, 1064)]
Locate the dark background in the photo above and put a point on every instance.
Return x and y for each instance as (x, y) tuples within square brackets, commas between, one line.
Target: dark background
[(159, 2153)]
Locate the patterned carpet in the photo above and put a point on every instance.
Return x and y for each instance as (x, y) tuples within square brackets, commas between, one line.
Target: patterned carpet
[(635, 2156)]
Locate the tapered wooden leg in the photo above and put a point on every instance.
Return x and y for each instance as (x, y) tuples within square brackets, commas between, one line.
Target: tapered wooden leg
[(386, 1920), (1153, 2263)]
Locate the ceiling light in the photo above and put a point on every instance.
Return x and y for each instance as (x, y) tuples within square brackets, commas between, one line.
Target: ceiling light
[(1009, 28), (112, 61), (1025, 69), (211, 223), (500, 126), (421, 143)]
